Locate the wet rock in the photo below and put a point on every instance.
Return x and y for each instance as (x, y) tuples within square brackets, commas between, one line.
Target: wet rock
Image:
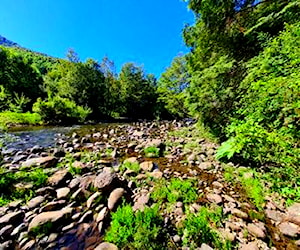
[(214, 198), (47, 162), (147, 166), (106, 246), (35, 202), (289, 229), (114, 197), (256, 231), (59, 178), (46, 217), (14, 218), (91, 199), (106, 179), (62, 193)]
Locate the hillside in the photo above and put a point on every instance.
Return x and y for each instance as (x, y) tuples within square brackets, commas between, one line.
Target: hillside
[(8, 43)]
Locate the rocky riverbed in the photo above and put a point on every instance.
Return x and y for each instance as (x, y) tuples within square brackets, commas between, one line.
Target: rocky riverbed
[(87, 182)]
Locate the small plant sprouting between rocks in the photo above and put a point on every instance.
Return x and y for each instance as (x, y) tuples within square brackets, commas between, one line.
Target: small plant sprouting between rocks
[(199, 228), (152, 152), (134, 166), (137, 230), (175, 190)]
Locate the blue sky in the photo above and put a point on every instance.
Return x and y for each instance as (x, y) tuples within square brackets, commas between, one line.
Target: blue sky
[(147, 32)]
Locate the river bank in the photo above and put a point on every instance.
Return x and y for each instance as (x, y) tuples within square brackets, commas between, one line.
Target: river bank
[(144, 185)]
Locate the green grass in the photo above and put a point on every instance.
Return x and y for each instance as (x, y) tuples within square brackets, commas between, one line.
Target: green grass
[(8, 192), (252, 185), (134, 166), (12, 118), (199, 228), (137, 230), (175, 190), (152, 152)]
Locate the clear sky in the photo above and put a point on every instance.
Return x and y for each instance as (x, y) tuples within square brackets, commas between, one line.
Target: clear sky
[(147, 32)]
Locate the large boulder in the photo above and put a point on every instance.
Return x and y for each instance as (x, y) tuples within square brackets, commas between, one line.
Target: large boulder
[(106, 180), (114, 197)]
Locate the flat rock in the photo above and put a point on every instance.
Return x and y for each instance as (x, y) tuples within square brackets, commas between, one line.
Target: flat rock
[(256, 231), (35, 202), (92, 198), (214, 198), (289, 229), (114, 196), (239, 213), (46, 217), (106, 246), (156, 174), (274, 215), (53, 205), (62, 193), (6, 231), (101, 216), (47, 162), (59, 178), (249, 246), (13, 218)]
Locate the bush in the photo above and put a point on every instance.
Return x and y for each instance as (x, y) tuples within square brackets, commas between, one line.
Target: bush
[(152, 152), (8, 117), (175, 190), (267, 128), (60, 110), (137, 230), (197, 229)]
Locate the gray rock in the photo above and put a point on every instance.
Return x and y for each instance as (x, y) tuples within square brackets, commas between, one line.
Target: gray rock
[(35, 202), (256, 231), (7, 245), (14, 218), (101, 216), (114, 197), (205, 247), (214, 198), (52, 217), (87, 217), (239, 213), (289, 229), (105, 179), (106, 246), (59, 178), (47, 162), (147, 166), (249, 246), (6, 231), (176, 238), (62, 193), (91, 199)]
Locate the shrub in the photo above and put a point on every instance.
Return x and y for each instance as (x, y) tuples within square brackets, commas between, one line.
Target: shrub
[(152, 152), (134, 166), (197, 229), (136, 230), (175, 190), (60, 110)]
